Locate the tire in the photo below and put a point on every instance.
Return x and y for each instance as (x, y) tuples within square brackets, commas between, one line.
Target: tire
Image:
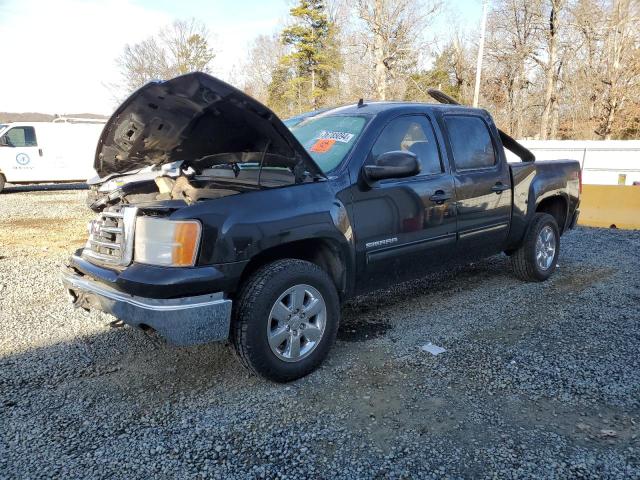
[(260, 320), (2, 182), (526, 263)]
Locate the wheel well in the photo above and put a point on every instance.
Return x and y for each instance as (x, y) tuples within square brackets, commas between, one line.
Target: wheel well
[(325, 253), (556, 207)]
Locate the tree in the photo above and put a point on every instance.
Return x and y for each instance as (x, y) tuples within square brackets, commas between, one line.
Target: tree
[(264, 55), (179, 48), (392, 37), (605, 70), (511, 42), (302, 79), (552, 68), (451, 72), (621, 73), (583, 69), (551, 23)]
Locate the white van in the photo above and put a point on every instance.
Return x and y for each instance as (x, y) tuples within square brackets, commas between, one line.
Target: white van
[(58, 151)]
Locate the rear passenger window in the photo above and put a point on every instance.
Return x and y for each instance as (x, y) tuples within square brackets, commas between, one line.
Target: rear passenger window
[(21, 137), (471, 142), (412, 133)]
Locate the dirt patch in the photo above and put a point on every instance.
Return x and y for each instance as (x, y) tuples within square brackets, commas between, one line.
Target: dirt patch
[(360, 330), (59, 233), (574, 282)]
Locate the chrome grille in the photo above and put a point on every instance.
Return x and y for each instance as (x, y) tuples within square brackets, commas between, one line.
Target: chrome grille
[(111, 237)]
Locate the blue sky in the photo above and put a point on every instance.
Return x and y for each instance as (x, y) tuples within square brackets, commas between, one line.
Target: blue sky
[(63, 52)]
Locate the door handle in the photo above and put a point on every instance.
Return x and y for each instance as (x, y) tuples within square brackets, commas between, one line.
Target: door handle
[(439, 197), (40, 151), (500, 187)]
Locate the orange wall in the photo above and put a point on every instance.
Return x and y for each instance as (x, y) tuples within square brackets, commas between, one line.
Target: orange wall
[(606, 205)]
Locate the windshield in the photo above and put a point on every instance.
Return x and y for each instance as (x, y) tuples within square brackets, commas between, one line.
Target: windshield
[(329, 139), (293, 121)]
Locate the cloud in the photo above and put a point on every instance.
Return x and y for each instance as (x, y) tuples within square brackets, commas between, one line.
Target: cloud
[(59, 56)]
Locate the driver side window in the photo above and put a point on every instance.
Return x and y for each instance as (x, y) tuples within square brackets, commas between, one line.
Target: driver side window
[(411, 133), (21, 137)]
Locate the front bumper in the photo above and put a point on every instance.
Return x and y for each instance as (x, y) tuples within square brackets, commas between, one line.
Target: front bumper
[(181, 321)]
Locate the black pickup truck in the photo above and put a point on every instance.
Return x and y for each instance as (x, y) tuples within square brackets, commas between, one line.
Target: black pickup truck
[(266, 230)]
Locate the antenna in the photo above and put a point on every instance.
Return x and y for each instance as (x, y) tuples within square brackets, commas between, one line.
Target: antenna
[(361, 103)]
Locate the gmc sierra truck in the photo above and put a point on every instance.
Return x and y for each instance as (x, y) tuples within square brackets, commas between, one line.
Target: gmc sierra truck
[(265, 231)]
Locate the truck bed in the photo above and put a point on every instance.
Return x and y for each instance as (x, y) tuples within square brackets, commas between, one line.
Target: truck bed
[(533, 182)]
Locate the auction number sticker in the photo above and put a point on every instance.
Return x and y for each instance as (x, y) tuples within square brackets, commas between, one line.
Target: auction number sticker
[(342, 137)]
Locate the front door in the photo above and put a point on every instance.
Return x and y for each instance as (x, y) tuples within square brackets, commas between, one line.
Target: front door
[(22, 158), (405, 227), (483, 185)]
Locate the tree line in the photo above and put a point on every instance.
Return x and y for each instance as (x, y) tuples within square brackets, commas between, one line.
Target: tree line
[(552, 69)]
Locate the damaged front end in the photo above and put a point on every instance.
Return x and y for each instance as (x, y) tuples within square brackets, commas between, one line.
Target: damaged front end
[(170, 145), (194, 138)]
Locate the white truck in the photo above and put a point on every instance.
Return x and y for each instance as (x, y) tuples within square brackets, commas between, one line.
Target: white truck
[(58, 151)]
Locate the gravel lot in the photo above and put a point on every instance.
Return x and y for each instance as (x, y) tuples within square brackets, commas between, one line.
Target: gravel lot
[(538, 380)]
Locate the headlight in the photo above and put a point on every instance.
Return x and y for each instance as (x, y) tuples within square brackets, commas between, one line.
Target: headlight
[(172, 243)]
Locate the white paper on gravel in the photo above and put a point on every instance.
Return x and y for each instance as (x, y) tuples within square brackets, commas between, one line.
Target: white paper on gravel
[(432, 349)]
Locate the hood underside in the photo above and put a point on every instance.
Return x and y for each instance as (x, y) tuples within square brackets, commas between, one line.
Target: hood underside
[(200, 120)]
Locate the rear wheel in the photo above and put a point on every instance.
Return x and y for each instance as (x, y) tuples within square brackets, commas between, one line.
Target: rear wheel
[(535, 260), (2, 182), (285, 319)]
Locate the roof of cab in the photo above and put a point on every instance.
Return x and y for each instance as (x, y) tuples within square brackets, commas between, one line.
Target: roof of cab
[(374, 108)]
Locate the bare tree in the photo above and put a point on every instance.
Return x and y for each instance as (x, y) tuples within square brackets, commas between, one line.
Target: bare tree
[(180, 48), (511, 43), (588, 20), (143, 62), (622, 63), (551, 23), (264, 55), (553, 68), (392, 35), (187, 42)]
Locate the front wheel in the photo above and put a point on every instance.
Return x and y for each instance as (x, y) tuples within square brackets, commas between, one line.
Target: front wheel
[(286, 319), (2, 182), (536, 259)]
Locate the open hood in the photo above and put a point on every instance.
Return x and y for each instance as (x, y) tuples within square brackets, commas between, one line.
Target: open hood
[(200, 120)]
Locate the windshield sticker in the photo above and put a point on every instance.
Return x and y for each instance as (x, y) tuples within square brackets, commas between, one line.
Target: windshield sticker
[(342, 137), (323, 145)]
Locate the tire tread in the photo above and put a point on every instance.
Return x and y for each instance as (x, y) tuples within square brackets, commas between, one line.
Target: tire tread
[(245, 305), (522, 262)]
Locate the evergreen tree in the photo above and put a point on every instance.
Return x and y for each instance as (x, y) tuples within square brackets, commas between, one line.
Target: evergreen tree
[(303, 78)]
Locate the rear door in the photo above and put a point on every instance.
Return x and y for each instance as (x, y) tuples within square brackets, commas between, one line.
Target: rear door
[(22, 157), (482, 183), (404, 227)]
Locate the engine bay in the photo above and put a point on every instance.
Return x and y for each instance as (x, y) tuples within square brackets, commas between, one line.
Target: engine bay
[(190, 186)]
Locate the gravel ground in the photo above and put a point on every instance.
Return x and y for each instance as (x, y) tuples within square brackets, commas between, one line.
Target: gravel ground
[(538, 380)]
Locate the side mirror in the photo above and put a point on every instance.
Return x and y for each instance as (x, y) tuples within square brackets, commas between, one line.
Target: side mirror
[(396, 164), (4, 142)]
